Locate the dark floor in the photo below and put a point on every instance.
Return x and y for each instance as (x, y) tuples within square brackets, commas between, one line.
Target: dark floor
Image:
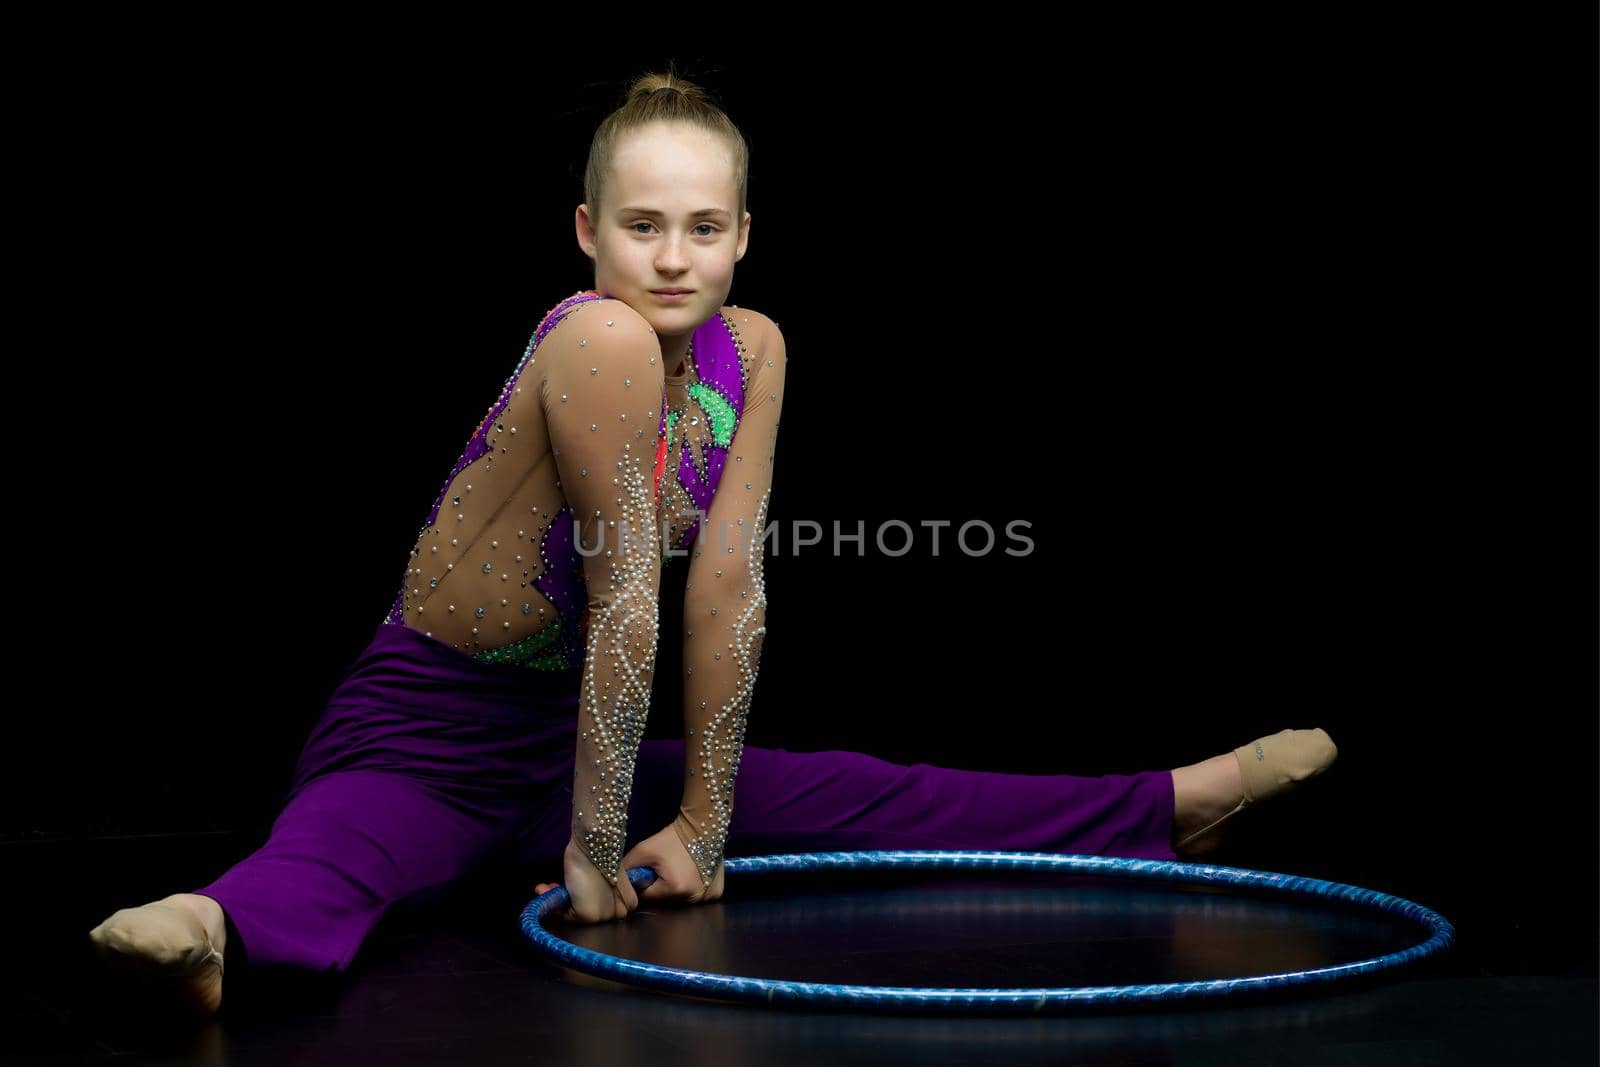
[(453, 979)]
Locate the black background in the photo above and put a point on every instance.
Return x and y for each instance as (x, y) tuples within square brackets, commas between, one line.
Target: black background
[(1238, 318)]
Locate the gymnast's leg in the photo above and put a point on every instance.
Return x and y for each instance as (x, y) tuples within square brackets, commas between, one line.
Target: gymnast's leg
[(835, 800), (839, 801), (347, 846), (842, 801)]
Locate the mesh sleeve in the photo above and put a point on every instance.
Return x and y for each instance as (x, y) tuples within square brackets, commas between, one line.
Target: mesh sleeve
[(602, 398), (725, 617)]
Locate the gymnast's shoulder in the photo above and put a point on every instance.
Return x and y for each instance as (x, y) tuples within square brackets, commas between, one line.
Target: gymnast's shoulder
[(606, 329), (763, 341)]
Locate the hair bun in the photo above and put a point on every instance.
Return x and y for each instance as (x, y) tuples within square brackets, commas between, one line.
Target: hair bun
[(646, 86)]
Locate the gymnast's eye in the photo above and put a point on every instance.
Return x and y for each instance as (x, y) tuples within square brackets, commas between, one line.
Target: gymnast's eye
[(641, 222)]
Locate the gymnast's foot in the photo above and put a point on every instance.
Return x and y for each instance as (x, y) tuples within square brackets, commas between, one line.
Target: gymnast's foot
[(1207, 795), (1202, 793), (178, 940)]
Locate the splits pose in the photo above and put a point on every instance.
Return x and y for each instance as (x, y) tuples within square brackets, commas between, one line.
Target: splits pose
[(500, 705)]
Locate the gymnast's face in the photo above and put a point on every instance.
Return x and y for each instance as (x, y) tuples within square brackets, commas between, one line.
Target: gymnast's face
[(649, 234)]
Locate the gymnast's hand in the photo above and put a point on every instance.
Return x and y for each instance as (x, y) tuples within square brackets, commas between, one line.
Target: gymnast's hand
[(593, 898), (677, 877)]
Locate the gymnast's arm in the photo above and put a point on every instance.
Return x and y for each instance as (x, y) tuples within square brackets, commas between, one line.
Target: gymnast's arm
[(725, 613), (602, 402)]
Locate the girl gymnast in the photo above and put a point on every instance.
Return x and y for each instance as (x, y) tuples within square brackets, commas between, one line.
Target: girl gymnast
[(501, 703)]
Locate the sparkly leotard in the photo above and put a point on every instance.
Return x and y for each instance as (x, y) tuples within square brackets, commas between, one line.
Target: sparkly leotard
[(546, 546)]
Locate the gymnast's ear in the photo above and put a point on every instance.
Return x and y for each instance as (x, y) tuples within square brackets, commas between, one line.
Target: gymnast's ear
[(744, 237), (583, 225)]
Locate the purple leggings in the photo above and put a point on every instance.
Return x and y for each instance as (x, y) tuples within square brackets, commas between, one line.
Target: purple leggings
[(427, 762)]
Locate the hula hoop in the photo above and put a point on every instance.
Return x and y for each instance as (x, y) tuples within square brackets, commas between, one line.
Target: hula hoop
[(1012, 1000)]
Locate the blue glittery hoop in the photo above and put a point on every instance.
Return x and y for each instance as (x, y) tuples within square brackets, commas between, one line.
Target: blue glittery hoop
[(1016, 1000)]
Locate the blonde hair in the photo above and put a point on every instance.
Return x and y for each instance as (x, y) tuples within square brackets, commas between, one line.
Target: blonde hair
[(661, 97)]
